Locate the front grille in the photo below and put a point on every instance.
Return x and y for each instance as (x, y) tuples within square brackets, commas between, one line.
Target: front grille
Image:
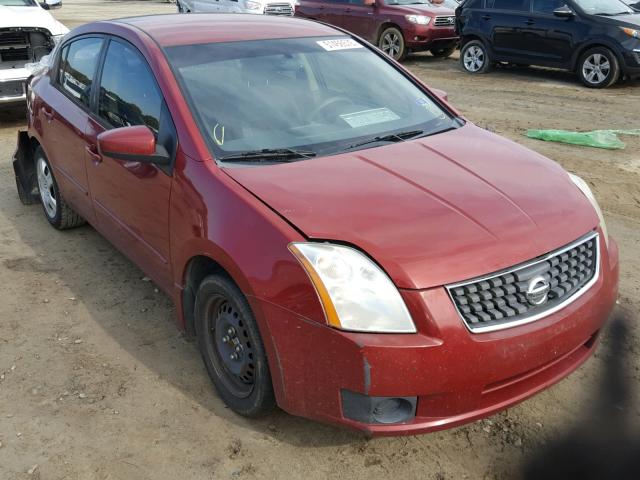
[(12, 88), (15, 54), (445, 21), (13, 38), (279, 9), (516, 296)]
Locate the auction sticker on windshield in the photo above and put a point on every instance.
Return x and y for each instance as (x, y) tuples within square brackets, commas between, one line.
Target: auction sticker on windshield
[(338, 44), (369, 117)]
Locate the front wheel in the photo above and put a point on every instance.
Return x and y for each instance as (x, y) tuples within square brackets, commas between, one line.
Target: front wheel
[(598, 68), (231, 347), (474, 57), (392, 43)]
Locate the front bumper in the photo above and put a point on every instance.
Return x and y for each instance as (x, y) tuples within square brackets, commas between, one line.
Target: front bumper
[(423, 37), (456, 376), (13, 90)]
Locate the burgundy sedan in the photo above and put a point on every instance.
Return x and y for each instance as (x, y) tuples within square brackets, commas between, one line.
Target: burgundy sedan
[(358, 255)]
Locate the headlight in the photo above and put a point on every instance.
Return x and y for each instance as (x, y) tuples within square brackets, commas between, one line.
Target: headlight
[(586, 190), (355, 293), (252, 5), (631, 32), (419, 19)]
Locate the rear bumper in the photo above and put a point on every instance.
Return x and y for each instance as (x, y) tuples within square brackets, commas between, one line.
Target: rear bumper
[(419, 37), (456, 376)]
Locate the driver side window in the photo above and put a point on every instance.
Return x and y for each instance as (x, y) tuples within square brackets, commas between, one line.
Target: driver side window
[(128, 94)]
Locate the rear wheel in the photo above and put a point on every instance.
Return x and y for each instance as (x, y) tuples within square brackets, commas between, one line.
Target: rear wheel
[(474, 57), (443, 52), (598, 68), (392, 43), (231, 347), (58, 213)]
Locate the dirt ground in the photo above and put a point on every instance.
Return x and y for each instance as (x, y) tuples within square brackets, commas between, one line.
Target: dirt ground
[(97, 383)]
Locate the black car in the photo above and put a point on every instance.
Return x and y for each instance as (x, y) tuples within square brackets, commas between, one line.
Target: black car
[(598, 39)]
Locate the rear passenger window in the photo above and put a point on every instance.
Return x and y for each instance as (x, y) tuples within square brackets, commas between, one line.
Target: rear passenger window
[(547, 6), (129, 94), (514, 5), (78, 68)]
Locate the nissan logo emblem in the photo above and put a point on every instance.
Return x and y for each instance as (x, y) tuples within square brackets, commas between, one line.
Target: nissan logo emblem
[(537, 290)]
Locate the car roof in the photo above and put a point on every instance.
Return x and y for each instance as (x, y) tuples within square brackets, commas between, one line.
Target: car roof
[(194, 28)]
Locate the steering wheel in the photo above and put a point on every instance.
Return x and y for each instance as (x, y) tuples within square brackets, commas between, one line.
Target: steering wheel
[(320, 109)]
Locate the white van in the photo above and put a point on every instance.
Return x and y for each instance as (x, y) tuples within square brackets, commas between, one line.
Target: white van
[(259, 7)]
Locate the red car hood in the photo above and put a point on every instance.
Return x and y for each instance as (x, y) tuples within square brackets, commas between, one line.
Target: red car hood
[(431, 211)]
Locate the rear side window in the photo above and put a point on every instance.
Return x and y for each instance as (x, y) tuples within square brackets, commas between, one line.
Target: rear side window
[(547, 6), (78, 68), (513, 5), (129, 94)]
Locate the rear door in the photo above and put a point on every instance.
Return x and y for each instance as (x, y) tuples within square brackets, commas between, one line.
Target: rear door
[(360, 19), (507, 20), (64, 114), (313, 9), (131, 199)]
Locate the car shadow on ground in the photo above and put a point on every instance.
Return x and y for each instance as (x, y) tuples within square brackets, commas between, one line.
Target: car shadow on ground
[(605, 443), (524, 73), (128, 307)]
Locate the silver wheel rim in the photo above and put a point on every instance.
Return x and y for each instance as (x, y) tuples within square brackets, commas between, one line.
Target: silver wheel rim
[(45, 187), (391, 44), (596, 68), (473, 58)]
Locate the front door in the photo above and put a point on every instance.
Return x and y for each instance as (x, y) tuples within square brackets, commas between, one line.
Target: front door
[(550, 38), (131, 199)]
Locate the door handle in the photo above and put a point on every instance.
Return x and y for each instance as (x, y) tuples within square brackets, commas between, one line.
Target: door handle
[(48, 114), (93, 154), (529, 22), (486, 17), (348, 10)]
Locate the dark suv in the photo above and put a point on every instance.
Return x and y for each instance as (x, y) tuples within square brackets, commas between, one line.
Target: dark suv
[(598, 39)]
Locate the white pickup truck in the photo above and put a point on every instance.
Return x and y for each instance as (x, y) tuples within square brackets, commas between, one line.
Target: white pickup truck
[(259, 7), (28, 32)]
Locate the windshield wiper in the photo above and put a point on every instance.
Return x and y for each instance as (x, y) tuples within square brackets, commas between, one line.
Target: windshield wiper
[(268, 155), (392, 137)]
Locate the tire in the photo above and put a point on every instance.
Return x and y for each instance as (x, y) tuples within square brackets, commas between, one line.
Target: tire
[(475, 58), (59, 214), (443, 52), (391, 42), (598, 68), (225, 326)]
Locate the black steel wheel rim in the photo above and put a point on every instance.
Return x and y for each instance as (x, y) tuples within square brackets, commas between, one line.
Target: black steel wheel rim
[(230, 347)]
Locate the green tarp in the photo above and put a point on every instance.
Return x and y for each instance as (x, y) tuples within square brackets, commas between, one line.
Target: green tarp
[(597, 138)]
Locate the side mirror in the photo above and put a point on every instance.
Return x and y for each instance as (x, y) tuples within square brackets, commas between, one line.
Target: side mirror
[(369, 3), (44, 5), (563, 12), (132, 144), (53, 3), (441, 94)]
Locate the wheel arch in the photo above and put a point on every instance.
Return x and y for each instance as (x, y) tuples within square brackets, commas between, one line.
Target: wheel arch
[(595, 43), (387, 24)]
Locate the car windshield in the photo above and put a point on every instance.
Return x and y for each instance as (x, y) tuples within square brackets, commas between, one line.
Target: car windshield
[(604, 7), (316, 96), (18, 3)]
